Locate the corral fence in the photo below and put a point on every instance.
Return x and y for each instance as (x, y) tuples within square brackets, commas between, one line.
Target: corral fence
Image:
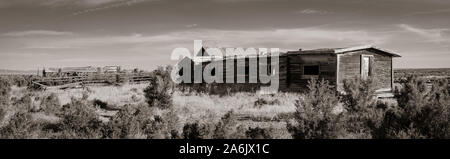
[(77, 81)]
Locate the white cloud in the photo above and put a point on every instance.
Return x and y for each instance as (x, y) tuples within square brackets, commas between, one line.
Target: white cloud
[(428, 12), (433, 35), (109, 5), (191, 25), (283, 38), (58, 3), (312, 11), (37, 32)]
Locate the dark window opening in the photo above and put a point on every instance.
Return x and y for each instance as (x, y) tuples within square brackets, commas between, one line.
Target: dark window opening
[(180, 72), (311, 70), (213, 72)]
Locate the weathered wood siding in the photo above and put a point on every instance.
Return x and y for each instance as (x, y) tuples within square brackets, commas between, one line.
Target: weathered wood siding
[(350, 67), (297, 81), (230, 67)]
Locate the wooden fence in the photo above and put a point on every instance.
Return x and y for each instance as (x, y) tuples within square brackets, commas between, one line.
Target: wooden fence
[(92, 79)]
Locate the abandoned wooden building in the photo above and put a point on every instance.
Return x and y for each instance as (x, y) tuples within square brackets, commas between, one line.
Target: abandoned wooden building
[(296, 68)]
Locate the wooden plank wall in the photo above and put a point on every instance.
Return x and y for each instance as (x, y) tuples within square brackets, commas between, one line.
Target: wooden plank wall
[(297, 82), (250, 86), (350, 67)]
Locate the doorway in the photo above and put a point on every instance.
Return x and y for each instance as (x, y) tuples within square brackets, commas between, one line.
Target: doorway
[(366, 66)]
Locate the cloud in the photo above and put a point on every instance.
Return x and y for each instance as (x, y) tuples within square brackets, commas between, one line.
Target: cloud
[(58, 3), (437, 11), (283, 38), (37, 32), (191, 25), (312, 11), (433, 35), (110, 5)]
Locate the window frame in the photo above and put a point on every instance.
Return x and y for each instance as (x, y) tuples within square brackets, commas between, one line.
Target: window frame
[(309, 76)]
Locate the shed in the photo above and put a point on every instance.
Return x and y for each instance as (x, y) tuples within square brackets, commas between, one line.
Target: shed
[(296, 68), (338, 64)]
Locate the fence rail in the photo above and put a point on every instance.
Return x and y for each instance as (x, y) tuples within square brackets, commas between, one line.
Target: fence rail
[(92, 79)]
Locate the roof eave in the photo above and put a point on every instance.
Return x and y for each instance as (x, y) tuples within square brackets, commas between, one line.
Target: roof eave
[(350, 49)]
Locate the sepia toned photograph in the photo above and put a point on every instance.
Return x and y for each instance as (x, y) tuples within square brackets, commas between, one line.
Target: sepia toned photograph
[(224, 69)]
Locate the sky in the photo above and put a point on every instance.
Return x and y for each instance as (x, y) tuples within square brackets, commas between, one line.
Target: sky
[(143, 33)]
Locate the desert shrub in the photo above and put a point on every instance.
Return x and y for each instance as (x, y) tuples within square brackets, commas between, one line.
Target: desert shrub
[(157, 128), (261, 101), (21, 80), (164, 72), (227, 127), (421, 112), (25, 103), (220, 89), (134, 98), (5, 89), (100, 103), (140, 122), (258, 133), (2, 114), (192, 131), (172, 123), (50, 104), (358, 93), (134, 90), (314, 117), (125, 124), (20, 126), (79, 121), (198, 130), (363, 116), (85, 95), (159, 93)]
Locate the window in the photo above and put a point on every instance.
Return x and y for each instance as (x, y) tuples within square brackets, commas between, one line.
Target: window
[(213, 72), (311, 70)]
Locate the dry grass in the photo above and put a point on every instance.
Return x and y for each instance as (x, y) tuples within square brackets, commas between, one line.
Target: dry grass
[(242, 103), (113, 95)]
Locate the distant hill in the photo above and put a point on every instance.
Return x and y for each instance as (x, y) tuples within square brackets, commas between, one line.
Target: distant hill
[(17, 72)]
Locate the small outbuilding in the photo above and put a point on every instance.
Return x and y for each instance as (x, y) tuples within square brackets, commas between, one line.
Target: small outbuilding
[(296, 68), (338, 64)]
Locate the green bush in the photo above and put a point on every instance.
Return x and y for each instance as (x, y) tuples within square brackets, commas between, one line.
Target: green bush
[(314, 118)]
